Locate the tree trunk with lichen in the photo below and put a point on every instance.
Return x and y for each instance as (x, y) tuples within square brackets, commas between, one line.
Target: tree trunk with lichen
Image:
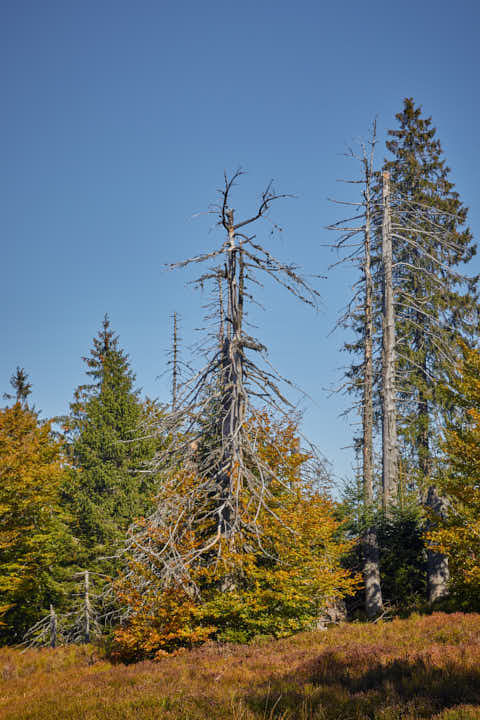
[(232, 405), (389, 412), (371, 560)]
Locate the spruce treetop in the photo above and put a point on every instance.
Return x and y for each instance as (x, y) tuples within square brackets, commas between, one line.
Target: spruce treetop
[(419, 172), (105, 354), (435, 303), (21, 386), (107, 491)]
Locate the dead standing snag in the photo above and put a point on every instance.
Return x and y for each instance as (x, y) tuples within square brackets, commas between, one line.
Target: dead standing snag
[(213, 476), (358, 243)]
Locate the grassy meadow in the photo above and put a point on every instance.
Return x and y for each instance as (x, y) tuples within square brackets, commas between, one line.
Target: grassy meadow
[(423, 667)]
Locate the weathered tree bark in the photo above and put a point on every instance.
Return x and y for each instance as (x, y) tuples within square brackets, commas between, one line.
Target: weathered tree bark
[(371, 569), (371, 573), (389, 414), (232, 384), (212, 406), (175, 362), (53, 627), (438, 574), (221, 313), (360, 315), (88, 610)]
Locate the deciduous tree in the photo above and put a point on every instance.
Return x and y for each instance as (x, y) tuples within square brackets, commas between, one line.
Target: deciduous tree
[(276, 582), (458, 533), (33, 537)]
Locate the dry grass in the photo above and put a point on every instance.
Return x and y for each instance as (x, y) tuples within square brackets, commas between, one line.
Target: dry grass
[(424, 667)]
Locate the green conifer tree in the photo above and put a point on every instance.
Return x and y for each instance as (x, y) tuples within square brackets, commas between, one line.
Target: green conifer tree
[(22, 388), (107, 489), (443, 301), (435, 303)]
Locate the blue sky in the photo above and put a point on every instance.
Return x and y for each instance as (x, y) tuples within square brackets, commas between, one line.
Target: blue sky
[(118, 120)]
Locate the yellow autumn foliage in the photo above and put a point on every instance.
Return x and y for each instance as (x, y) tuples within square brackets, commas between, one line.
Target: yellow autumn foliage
[(274, 584), (31, 530), (459, 535)]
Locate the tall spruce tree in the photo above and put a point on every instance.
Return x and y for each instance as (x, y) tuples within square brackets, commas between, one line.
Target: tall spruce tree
[(107, 489), (435, 302)]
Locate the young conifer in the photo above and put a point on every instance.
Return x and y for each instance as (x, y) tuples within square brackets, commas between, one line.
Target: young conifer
[(107, 489)]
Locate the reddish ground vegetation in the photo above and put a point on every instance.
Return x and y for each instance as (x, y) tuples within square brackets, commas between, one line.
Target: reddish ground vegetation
[(423, 667)]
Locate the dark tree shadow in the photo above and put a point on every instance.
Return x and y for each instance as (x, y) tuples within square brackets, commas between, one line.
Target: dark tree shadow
[(362, 687)]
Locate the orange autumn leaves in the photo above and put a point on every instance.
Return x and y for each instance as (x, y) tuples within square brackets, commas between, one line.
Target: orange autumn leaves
[(272, 580)]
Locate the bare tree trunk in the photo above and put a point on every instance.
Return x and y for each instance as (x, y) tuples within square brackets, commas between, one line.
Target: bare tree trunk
[(53, 627), (371, 569), (175, 362), (221, 313), (438, 573), (87, 607), (371, 573), (361, 310), (389, 415), (232, 384), (232, 477)]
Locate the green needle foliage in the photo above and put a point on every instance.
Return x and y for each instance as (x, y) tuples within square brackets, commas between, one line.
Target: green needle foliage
[(22, 388), (436, 302), (107, 489)]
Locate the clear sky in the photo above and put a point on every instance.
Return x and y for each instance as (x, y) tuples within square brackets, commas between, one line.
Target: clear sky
[(118, 119)]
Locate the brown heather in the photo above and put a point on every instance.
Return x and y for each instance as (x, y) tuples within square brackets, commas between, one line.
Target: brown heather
[(423, 667)]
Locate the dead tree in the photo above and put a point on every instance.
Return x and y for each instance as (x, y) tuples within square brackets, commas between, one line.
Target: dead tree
[(371, 568), (46, 632), (402, 230), (88, 607), (360, 313), (177, 367), (83, 621), (438, 573), (53, 627), (175, 361), (213, 410), (389, 410), (233, 399), (221, 312)]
